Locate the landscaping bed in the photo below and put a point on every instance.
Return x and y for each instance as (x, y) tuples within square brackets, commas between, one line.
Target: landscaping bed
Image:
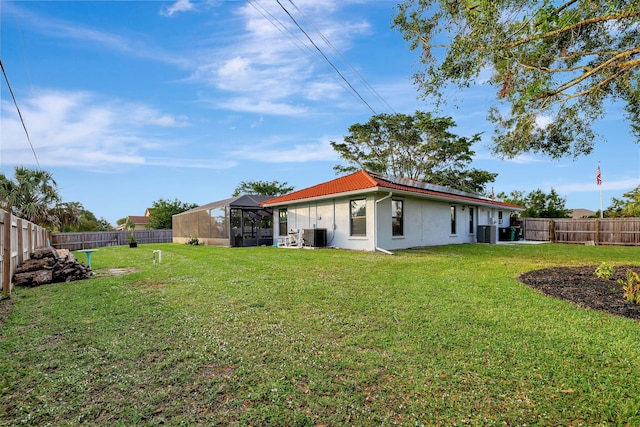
[(581, 286)]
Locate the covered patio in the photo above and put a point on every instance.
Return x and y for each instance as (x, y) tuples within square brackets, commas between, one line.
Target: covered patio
[(234, 222)]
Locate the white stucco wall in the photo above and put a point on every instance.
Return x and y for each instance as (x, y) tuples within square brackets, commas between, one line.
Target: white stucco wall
[(333, 215), (426, 222)]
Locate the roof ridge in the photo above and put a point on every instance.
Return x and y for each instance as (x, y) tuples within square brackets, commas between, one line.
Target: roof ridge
[(370, 177)]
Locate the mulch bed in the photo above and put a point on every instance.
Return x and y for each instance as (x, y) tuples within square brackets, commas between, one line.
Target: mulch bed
[(581, 286)]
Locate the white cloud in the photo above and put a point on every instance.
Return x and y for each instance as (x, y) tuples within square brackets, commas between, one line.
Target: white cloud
[(622, 184), (189, 163), (320, 90), (178, 6), (274, 61), (277, 152), (251, 105), (62, 29), (80, 129), (524, 159)]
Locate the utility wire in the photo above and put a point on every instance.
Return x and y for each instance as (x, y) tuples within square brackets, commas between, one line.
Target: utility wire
[(6, 78), (284, 30), (279, 26), (326, 58), (353, 69)]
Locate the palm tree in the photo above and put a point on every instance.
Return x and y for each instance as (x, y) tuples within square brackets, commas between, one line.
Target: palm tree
[(31, 195), (69, 215)]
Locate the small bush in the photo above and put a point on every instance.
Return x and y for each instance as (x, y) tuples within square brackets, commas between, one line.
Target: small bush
[(631, 287), (604, 271), (193, 241)]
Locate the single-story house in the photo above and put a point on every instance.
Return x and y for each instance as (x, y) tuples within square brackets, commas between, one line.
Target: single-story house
[(234, 222), (140, 222), (368, 211)]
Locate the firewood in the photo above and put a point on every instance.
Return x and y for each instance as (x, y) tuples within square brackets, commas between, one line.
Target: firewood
[(33, 278), (36, 264), (50, 266), (46, 252)]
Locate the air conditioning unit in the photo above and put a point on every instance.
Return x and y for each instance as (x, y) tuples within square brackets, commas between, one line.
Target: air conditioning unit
[(486, 234), (314, 237)]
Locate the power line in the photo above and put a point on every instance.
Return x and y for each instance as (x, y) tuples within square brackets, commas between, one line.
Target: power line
[(326, 58), (353, 69), (284, 30), (6, 78), (279, 26)]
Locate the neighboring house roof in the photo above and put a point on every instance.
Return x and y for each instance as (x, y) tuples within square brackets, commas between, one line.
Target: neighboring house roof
[(139, 220), (581, 213), (244, 201), (367, 182)]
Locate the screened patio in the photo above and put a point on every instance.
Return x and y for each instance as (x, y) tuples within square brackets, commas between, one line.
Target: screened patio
[(235, 222)]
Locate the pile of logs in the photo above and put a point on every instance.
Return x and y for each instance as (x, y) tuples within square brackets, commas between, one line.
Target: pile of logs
[(47, 265)]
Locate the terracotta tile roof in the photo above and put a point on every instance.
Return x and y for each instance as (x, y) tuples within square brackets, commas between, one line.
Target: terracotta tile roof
[(360, 180), (363, 180)]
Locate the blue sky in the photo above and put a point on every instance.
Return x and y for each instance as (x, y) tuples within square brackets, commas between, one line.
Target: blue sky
[(127, 102)]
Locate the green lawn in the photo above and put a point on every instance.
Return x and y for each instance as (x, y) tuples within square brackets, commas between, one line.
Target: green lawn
[(265, 336)]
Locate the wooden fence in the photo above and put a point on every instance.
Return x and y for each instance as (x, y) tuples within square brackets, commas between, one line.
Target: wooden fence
[(596, 231), (99, 239), (18, 238)]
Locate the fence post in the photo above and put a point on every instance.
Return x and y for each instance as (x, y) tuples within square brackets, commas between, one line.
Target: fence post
[(30, 233), (20, 242), (6, 254), (552, 231), (597, 236)]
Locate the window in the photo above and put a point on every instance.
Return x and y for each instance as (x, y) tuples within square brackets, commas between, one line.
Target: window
[(471, 225), (358, 217), (453, 220), (499, 217), (397, 221), (282, 221)]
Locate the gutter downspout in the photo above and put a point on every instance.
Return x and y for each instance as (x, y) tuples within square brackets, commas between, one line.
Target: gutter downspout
[(375, 222)]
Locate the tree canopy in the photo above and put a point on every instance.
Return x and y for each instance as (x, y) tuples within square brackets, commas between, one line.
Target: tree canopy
[(32, 194), (627, 206), (162, 210), (555, 65), (74, 217), (538, 204), (419, 147), (263, 188)]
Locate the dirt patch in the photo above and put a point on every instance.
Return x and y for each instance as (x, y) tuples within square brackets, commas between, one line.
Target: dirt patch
[(110, 272), (5, 308), (581, 286)]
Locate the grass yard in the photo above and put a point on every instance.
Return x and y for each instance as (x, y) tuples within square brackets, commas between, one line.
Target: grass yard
[(438, 336)]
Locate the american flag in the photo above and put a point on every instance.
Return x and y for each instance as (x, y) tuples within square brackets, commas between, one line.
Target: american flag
[(598, 176)]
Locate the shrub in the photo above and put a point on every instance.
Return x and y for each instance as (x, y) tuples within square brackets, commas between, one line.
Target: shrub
[(604, 271), (193, 241), (631, 287)]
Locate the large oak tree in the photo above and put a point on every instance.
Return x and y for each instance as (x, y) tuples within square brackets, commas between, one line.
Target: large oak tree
[(161, 213), (419, 147), (538, 204), (555, 65), (263, 188)]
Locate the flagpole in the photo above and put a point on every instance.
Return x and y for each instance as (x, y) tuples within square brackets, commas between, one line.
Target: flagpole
[(599, 181), (601, 213)]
